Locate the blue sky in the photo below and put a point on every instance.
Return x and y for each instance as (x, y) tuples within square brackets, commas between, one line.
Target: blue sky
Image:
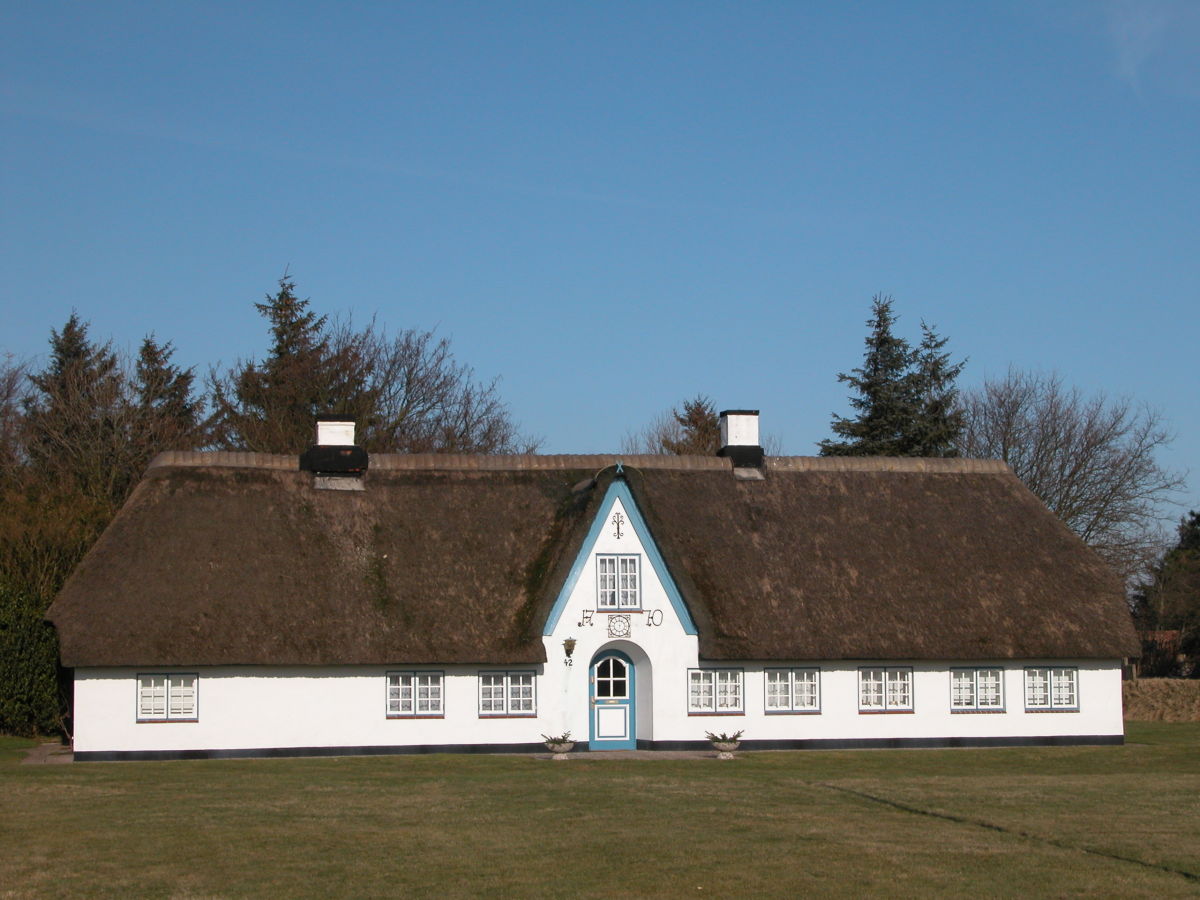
[(616, 206)]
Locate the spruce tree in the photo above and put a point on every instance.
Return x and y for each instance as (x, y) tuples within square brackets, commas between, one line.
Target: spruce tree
[(939, 423), (699, 429), (166, 413), (270, 407), (904, 398)]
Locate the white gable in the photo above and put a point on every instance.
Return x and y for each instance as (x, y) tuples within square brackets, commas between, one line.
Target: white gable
[(619, 583)]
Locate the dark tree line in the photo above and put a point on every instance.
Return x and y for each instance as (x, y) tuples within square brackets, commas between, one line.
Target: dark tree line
[(77, 433)]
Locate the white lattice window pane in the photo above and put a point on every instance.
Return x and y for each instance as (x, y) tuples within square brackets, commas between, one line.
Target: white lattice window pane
[(700, 693), (805, 689), (729, 690), (962, 689), (1037, 688), (521, 693), (870, 684), (182, 697), (899, 689), (400, 693), (779, 694), (152, 697), (607, 575), (1064, 688), (629, 582), (991, 696), (491, 693), (429, 694)]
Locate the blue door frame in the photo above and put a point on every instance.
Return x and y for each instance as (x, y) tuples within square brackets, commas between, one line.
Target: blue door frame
[(612, 718)]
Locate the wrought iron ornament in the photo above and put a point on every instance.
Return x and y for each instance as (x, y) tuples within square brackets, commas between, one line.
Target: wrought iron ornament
[(618, 520)]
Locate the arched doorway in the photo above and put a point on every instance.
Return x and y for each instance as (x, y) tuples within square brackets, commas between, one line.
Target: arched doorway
[(613, 717)]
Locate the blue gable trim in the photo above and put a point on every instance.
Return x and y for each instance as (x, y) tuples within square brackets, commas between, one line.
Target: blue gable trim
[(619, 490)]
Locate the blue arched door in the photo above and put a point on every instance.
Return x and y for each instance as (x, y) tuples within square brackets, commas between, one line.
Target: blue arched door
[(613, 717)]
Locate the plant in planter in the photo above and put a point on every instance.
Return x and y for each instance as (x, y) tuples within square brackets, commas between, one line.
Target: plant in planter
[(724, 743), (559, 744)]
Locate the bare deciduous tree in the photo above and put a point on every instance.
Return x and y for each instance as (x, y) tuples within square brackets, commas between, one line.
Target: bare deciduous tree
[(407, 392), (14, 391), (692, 428), (1091, 460)]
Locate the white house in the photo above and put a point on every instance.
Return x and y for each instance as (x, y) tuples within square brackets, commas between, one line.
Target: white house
[(245, 605)]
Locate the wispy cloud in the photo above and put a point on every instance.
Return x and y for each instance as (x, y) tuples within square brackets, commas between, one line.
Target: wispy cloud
[(1156, 43), (1138, 29)]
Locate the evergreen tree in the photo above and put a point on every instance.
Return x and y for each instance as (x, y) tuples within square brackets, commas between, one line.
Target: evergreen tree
[(904, 398), (271, 407), (406, 393), (940, 422), (73, 420), (699, 429), (166, 413)]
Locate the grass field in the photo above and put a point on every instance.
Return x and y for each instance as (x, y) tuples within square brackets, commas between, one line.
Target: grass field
[(1099, 821)]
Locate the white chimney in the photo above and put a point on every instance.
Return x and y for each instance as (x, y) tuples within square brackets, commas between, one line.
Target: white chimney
[(335, 431), (739, 441), (739, 428)]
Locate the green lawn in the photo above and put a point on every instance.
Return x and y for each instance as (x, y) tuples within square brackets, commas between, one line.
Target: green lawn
[(1097, 821)]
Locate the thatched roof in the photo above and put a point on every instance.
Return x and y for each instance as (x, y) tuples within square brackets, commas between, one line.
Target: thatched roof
[(222, 558)]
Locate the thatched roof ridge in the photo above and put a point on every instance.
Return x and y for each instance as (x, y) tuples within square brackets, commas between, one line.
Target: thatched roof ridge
[(231, 558), (541, 462)]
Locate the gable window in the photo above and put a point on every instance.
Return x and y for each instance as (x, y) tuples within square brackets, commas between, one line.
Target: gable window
[(617, 581), (793, 690), (1052, 689), (885, 690), (715, 692), (167, 698), (976, 690), (414, 694), (507, 694)]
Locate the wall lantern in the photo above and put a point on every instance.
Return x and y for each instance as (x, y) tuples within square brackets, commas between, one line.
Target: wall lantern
[(569, 646)]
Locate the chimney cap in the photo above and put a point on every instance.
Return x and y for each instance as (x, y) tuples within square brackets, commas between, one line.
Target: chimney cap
[(737, 412)]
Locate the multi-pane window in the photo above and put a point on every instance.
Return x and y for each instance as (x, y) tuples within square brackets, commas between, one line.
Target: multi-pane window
[(885, 690), (506, 694), (976, 690), (165, 698), (715, 691), (617, 580), (793, 690), (1052, 688), (414, 694)]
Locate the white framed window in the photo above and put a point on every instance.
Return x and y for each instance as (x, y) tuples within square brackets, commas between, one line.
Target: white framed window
[(792, 690), (715, 692), (167, 698), (618, 581), (1052, 689), (885, 689), (414, 694), (507, 694), (977, 690)]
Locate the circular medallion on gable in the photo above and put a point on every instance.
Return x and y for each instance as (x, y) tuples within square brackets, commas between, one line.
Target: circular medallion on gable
[(618, 626)]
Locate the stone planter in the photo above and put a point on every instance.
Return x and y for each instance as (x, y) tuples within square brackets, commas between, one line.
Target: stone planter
[(560, 749), (725, 748)]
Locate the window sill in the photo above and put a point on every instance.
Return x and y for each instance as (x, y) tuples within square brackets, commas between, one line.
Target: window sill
[(1057, 709), (968, 712), (416, 715), (700, 712), (886, 712), (167, 721), (531, 715), (792, 712)]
